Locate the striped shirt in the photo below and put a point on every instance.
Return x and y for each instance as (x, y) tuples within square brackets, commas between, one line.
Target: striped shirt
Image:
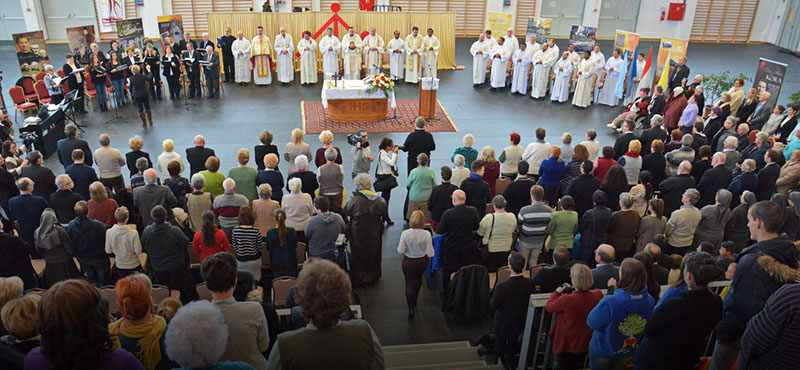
[(247, 242), (533, 221), (773, 335)]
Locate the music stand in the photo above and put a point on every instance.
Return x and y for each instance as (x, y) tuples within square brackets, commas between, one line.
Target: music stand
[(117, 117), (185, 76)]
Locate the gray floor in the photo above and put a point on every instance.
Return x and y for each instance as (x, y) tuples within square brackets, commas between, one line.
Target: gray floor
[(236, 120)]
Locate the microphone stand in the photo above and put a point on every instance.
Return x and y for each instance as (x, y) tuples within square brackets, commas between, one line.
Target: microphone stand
[(117, 117), (185, 76)]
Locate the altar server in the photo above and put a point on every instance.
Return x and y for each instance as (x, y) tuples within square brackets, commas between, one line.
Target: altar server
[(397, 50), (583, 88), (352, 62), (373, 51), (480, 54), (413, 51), (562, 72), (611, 73), (329, 45), (307, 48), (500, 56), (430, 54), (284, 46), (542, 61), (262, 54), (241, 54), (522, 61)]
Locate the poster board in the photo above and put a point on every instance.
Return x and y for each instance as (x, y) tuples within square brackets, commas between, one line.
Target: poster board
[(627, 42), (130, 33), (170, 25), (109, 12), (498, 22), (583, 38), (769, 78), (672, 48), (31, 52), (539, 27), (79, 39)]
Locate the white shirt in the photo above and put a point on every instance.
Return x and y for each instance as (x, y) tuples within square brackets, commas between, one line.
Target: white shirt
[(124, 242), (415, 243)]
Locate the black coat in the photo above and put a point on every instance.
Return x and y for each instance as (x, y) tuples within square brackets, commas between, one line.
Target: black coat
[(518, 194), (699, 168), (212, 71), (63, 202), (440, 200), (510, 300), (261, 150), (699, 139), (766, 181), (581, 190), (658, 105), (43, 178), (15, 259), (468, 293), (139, 85), (82, 176), (458, 225), (478, 194), (786, 129), (743, 181), (602, 273), (621, 145), (672, 190), (419, 141), (745, 110), (647, 137), (275, 180), (681, 73), (192, 67), (8, 188), (593, 226), (131, 157), (65, 147), (309, 182), (713, 179), (547, 280), (169, 69), (657, 165), (196, 156)]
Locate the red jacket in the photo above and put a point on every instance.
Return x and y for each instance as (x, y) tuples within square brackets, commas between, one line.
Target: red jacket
[(220, 244), (641, 103), (569, 331)]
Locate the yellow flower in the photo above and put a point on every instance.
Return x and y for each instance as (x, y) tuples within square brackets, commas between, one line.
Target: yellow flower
[(374, 84), (391, 83)]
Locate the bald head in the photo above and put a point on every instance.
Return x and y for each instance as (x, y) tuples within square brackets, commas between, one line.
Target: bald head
[(459, 197), (199, 140), (604, 254), (229, 185), (718, 159), (150, 176), (653, 249), (685, 168)]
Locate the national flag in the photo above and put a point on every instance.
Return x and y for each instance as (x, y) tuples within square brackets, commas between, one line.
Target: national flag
[(618, 90), (632, 73), (646, 72), (665, 75)]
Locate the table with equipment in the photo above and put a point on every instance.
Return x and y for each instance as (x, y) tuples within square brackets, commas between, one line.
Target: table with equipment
[(48, 132), (349, 101)]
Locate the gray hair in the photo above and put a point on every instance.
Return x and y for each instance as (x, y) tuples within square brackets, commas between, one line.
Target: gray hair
[(105, 140), (687, 140), (749, 165), (626, 200), (48, 67), (229, 185), (198, 181), (197, 336), (422, 159), (295, 184), (301, 162), (762, 136), (420, 122), (731, 142), (685, 167), (331, 154), (468, 140), (693, 195), (732, 120), (265, 191), (362, 182), (499, 202), (657, 119), (150, 176), (459, 160), (142, 164), (24, 184), (62, 181)]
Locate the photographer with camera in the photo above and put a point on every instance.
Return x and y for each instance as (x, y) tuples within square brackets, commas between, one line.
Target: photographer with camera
[(573, 302), (362, 154)]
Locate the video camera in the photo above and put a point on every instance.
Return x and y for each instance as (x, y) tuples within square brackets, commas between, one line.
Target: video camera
[(354, 139)]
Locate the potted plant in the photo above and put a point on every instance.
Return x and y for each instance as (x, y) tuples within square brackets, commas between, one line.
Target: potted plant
[(717, 83), (794, 99)]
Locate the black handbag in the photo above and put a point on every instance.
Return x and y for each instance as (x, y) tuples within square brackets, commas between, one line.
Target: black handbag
[(384, 182)]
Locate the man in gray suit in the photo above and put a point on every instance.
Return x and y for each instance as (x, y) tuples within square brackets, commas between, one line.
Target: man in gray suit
[(212, 72), (605, 270), (147, 197), (761, 113)]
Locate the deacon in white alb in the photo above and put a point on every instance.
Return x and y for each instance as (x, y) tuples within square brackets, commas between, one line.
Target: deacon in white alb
[(352, 62), (551, 45), (351, 36), (413, 51), (533, 46), (491, 40), (500, 56), (329, 45), (598, 59), (583, 88), (430, 54), (542, 61), (575, 58), (562, 72), (241, 55), (397, 52), (480, 54), (511, 41), (611, 73), (373, 51), (284, 46), (522, 61), (307, 48), (262, 51)]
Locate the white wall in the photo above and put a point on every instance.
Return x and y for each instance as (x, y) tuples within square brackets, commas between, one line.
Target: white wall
[(497, 6), (591, 13), (34, 17), (768, 22), (650, 25)]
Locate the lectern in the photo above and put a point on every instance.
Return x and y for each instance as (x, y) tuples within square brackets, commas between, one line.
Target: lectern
[(427, 97)]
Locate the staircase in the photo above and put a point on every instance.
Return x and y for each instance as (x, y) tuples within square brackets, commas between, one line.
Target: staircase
[(434, 356)]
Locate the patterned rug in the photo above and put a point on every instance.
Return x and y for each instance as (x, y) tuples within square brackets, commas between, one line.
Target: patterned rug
[(315, 120)]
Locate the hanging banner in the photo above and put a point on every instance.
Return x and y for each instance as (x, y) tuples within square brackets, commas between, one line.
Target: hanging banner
[(627, 42), (769, 78), (130, 33), (108, 13), (672, 48), (539, 27), (498, 23), (80, 38), (31, 52), (583, 38), (170, 25)]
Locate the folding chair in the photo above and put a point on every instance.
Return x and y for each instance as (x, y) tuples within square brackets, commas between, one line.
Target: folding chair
[(202, 291), (280, 288), (17, 95)]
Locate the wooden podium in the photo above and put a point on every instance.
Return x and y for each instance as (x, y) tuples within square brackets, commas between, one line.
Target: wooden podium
[(427, 97)]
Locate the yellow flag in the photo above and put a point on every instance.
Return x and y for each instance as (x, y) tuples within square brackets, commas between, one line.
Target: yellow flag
[(665, 75)]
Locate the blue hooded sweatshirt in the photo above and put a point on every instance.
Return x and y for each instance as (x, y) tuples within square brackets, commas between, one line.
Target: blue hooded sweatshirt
[(618, 323)]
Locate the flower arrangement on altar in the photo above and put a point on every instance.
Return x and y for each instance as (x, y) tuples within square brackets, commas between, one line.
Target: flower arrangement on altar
[(381, 82)]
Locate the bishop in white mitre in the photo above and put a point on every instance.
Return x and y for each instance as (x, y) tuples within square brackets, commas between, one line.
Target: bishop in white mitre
[(480, 54), (542, 61), (330, 46), (262, 50), (611, 72), (430, 54), (583, 87), (284, 46), (563, 72), (500, 56), (307, 48), (522, 61), (397, 51), (241, 58), (413, 54), (373, 51), (351, 56)]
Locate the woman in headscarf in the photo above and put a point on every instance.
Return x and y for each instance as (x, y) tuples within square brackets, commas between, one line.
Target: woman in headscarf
[(792, 225), (736, 229), (713, 221), (53, 243)]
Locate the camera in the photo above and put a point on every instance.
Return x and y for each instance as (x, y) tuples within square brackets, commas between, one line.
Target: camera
[(568, 288), (354, 139)]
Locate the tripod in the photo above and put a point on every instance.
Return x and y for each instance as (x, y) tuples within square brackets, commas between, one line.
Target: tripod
[(117, 117)]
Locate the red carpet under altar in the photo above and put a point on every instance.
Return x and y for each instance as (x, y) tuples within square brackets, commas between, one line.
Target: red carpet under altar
[(315, 120)]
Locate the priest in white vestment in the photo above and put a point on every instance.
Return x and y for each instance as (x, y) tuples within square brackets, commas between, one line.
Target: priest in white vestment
[(307, 48), (533, 46), (330, 47), (575, 58), (241, 58), (542, 61), (430, 54), (562, 71), (500, 56), (551, 45), (284, 46), (373, 52), (611, 73), (262, 52), (397, 53), (491, 40), (413, 55), (583, 88), (511, 41), (351, 36), (480, 54), (598, 59), (522, 61), (352, 62)]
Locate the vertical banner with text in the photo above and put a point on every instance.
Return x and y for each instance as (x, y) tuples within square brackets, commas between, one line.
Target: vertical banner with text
[(769, 78), (108, 13)]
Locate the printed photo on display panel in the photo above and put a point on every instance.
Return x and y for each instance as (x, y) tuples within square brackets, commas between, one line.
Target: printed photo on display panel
[(672, 48), (31, 52), (583, 37), (540, 27), (80, 39), (130, 33), (170, 25), (769, 78)]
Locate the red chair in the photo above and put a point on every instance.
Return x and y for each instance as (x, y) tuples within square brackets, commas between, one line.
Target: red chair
[(61, 73), (89, 90), (40, 76), (110, 91), (41, 92), (17, 95), (29, 90)]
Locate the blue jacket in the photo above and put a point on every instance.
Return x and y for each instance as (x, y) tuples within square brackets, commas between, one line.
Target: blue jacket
[(623, 309), (672, 292), (82, 176), (740, 183), (550, 172)]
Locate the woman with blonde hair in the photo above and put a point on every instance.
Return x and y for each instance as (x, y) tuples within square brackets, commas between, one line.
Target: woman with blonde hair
[(491, 168), (631, 162), (140, 93), (326, 138), (213, 178), (168, 307), (748, 106), (264, 210), (282, 246), (416, 246), (101, 207), (460, 173), (21, 321), (135, 143), (295, 148), (244, 176), (166, 157), (467, 151)]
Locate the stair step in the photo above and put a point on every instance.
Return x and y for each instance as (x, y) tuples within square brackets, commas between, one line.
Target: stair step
[(466, 365), (431, 357), (424, 346)]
